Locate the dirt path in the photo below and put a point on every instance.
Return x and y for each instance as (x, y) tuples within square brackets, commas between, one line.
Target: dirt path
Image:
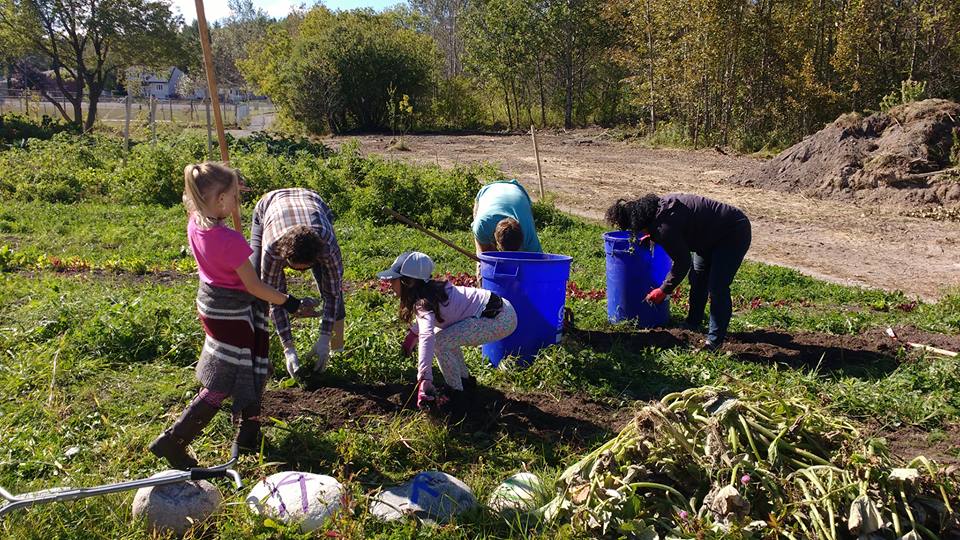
[(871, 246)]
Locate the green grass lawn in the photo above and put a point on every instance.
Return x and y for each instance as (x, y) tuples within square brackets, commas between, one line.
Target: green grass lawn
[(102, 361)]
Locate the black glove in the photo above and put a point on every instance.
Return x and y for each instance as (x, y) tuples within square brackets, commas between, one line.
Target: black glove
[(292, 305)]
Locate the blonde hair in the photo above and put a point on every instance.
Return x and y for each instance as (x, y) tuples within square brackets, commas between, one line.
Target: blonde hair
[(202, 183)]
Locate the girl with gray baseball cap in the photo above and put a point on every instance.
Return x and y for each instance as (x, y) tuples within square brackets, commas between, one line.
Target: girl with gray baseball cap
[(445, 318)]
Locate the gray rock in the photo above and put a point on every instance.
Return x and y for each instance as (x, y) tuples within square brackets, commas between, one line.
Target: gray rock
[(430, 495), (176, 508)]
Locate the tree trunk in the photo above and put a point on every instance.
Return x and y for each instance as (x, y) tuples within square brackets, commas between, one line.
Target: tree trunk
[(77, 103), (506, 101), (650, 54), (96, 90), (513, 100), (75, 98), (526, 103), (543, 99), (568, 90)]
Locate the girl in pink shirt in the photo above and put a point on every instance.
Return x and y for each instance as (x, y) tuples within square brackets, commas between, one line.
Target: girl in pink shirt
[(448, 318), (231, 304)]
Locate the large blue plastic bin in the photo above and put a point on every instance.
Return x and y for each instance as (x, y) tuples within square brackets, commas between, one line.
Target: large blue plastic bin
[(631, 274), (536, 285)]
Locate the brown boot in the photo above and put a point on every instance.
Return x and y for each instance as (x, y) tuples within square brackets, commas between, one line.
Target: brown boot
[(469, 384), (172, 444), (249, 437)]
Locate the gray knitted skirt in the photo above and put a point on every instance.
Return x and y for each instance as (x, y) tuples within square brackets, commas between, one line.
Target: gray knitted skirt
[(235, 357)]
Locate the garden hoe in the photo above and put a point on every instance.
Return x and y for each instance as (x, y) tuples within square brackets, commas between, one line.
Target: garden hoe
[(24, 500), (568, 323), (14, 502), (943, 352)]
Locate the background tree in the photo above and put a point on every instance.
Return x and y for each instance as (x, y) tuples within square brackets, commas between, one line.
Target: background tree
[(443, 21), (575, 40), (89, 41), (331, 70), (230, 39), (502, 52), (233, 36)]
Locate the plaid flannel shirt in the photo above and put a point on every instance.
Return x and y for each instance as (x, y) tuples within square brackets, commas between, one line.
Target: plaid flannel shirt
[(275, 214)]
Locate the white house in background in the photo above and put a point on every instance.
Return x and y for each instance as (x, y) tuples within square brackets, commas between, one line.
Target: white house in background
[(160, 86), (165, 86)]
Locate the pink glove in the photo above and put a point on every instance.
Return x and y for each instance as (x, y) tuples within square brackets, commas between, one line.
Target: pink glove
[(425, 393), (656, 296), (409, 343)]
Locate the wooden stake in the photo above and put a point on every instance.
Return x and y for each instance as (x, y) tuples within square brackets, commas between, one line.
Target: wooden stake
[(536, 154), (126, 128), (206, 104), (153, 119), (404, 219), (53, 373), (212, 91)]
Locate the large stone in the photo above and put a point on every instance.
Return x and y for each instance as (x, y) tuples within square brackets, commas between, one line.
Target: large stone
[(176, 508), (297, 497), (430, 495), (518, 493)]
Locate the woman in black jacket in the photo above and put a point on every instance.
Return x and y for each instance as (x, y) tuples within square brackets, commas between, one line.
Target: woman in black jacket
[(704, 237)]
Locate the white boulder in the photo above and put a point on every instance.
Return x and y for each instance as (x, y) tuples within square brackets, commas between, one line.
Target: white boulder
[(297, 497)]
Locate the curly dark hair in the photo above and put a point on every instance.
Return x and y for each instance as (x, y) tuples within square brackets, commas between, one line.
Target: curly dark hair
[(635, 215), (417, 295), (299, 245), (508, 235)]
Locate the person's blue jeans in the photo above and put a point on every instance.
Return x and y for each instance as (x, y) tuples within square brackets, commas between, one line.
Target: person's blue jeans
[(711, 275)]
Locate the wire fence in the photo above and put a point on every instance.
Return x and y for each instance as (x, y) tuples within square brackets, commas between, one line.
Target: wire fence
[(114, 111)]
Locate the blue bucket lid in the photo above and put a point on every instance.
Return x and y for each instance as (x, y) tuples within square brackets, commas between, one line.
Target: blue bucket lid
[(523, 256), (614, 236)]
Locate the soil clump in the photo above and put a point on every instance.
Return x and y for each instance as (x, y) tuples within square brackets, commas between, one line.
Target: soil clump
[(906, 156)]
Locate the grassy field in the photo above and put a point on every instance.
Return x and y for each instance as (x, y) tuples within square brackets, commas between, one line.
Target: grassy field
[(98, 335)]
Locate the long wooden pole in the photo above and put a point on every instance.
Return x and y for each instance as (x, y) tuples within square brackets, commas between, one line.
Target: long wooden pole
[(126, 127), (404, 219), (536, 154), (212, 91)]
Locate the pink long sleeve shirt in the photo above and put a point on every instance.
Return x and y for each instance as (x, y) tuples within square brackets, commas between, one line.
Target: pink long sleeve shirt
[(463, 303)]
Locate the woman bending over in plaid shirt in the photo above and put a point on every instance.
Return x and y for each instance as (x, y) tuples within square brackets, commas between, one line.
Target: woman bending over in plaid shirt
[(293, 228)]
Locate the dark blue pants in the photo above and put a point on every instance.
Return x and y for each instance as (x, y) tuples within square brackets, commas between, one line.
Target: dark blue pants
[(711, 274)]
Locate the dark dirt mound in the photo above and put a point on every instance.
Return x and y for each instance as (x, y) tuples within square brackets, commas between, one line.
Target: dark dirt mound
[(890, 157), (873, 352), (942, 445), (581, 421), (536, 416)]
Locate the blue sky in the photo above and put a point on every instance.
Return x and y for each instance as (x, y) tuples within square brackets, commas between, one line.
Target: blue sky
[(217, 9)]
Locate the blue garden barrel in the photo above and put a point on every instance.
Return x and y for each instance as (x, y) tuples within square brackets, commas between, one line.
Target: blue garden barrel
[(536, 285), (632, 272)]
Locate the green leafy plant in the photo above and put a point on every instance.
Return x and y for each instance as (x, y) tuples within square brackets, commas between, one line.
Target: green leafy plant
[(909, 91), (400, 112), (16, 128), (70, 168)]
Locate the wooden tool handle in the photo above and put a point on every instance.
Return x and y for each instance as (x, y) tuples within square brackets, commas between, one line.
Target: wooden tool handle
[(405, 220)]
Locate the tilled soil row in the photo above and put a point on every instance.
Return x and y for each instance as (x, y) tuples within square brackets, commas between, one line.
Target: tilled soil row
[(580, 421)]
